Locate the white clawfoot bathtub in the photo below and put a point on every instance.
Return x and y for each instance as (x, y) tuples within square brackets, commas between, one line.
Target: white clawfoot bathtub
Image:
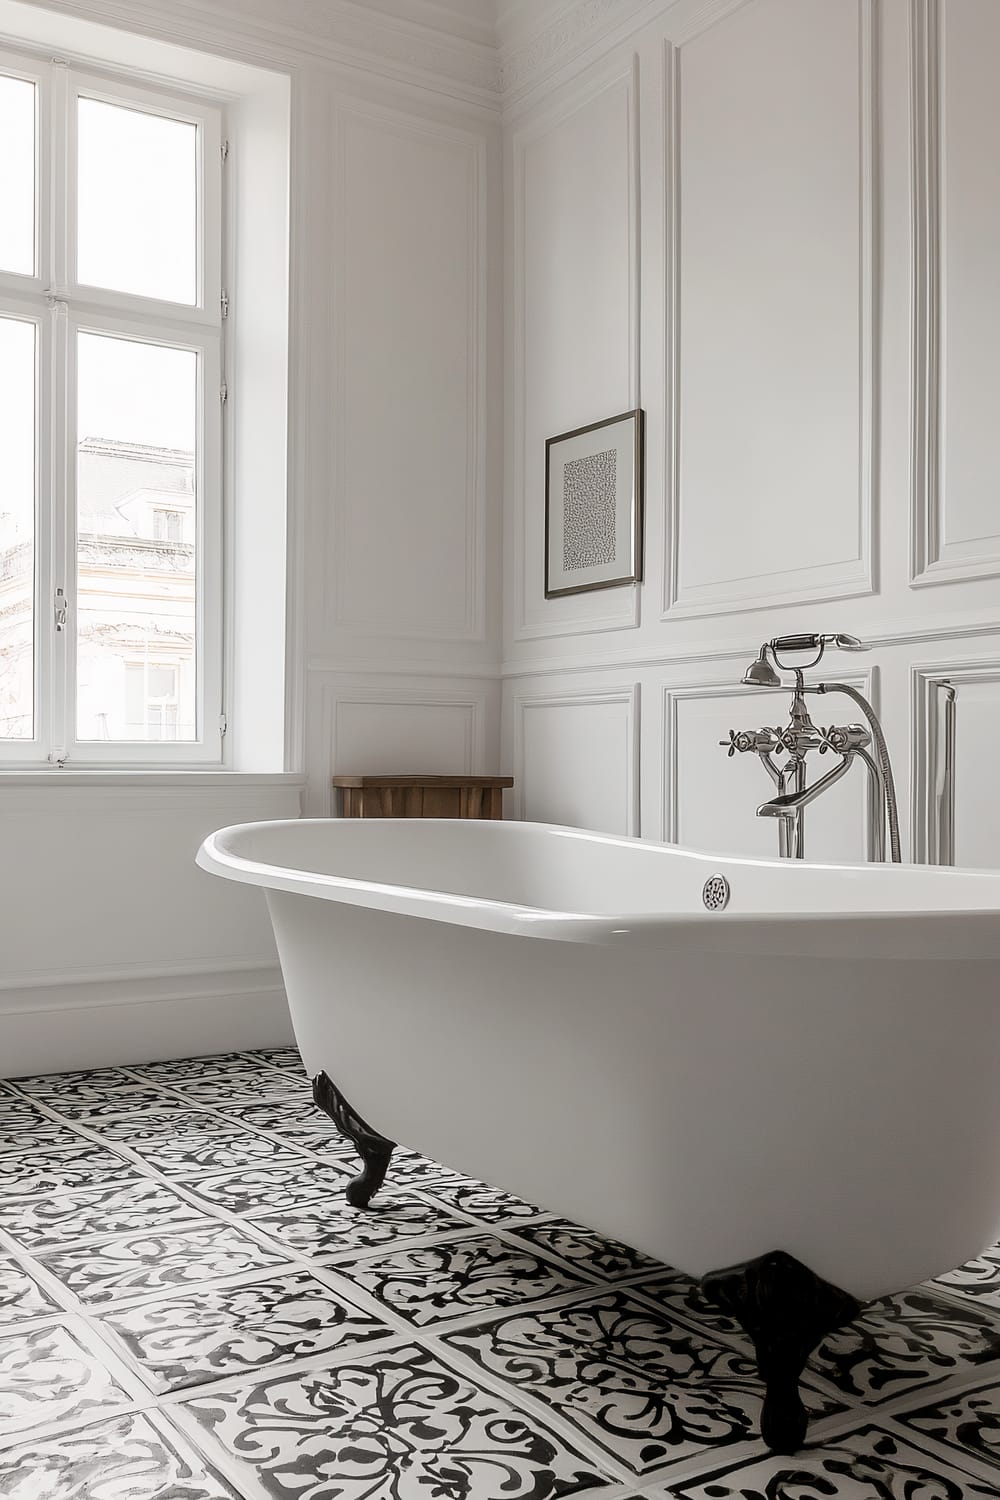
[(813, 1068), (803, 1081)]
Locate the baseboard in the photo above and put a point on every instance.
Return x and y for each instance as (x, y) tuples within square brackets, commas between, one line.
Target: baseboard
[(89, 1023)]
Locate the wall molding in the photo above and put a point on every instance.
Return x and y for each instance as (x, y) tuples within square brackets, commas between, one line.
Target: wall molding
[(336, 696), (669, 761), (853, 577), (547, 622), (472, 628), (342, 33), (925, 310), (879, 636), (23, 798), (629, 696), (342, 666), (929, 560), (932, 829), (582, 31)]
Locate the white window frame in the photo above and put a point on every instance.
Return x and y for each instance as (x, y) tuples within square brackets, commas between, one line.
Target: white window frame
[(61, 307)]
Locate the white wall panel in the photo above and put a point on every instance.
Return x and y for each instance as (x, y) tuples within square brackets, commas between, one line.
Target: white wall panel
[(956, 524), (774, 352), (407, 734), (575, 316), (99, 881), (575, 759), (957, 821), (816, 202), (406, 549)]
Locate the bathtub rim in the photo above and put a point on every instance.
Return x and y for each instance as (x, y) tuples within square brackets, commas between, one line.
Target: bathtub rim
[(916, 935)]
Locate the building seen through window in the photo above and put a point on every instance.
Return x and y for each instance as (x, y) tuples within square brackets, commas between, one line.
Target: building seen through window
[(136, 589)]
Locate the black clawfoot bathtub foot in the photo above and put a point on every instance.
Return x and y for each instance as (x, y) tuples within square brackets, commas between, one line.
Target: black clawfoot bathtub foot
[(787, 1310), (373, 1148)]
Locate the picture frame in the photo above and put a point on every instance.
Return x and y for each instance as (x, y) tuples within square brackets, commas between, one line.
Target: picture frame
[(594, 490)]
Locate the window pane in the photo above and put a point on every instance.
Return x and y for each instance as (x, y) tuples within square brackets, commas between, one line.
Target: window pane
[(17, 528), (136, 587), (138, 202), (17, 175)]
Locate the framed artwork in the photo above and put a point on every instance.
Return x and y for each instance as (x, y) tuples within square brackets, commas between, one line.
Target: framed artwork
[(593, 506)]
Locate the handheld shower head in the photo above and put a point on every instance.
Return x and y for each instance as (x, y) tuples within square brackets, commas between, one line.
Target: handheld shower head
[(760, 673)]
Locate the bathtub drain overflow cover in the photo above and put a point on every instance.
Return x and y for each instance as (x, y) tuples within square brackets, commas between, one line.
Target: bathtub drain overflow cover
[(716, 893)]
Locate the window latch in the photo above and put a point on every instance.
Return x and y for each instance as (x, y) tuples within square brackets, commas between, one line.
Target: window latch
[(59, 609)]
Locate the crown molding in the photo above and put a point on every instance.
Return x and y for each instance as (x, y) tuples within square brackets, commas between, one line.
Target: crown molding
[(294, 33), (569, 33), (470, 20), (579, 30)]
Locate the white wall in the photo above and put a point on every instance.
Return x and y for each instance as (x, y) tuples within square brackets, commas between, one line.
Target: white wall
[(114, 946), (775, 225)]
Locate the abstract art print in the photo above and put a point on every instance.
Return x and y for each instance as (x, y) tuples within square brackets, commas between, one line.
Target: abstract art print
[(593, 506)]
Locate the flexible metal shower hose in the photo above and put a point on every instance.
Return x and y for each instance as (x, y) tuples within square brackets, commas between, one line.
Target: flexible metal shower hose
[(885, 765)]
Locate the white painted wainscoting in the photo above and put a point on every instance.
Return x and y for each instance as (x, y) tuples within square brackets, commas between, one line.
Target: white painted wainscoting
[(773, 224), (115, 947)]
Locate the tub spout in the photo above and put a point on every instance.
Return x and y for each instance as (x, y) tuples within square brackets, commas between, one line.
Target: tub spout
[(787, 805)]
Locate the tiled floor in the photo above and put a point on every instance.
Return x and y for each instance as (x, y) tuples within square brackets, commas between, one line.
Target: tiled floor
[(189, 1310)]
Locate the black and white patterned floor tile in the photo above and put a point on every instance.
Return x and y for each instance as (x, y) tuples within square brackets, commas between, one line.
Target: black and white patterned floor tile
[(649, 1391), (87, 1096), (978, 1279), (279, 1115), (21, 1296), (870, 1464), (216, 1331), (138, 1265), (489, 1205), (280, 1057), (219, 1065), (417, 1171), (131, 1457), (80, 1166), (120, 1205), (333, 1228), (222, 1091), (49, 1374), (191, 1153), (399, 1425), (428, 1284), (906, 1343), (32, 1132), (292, 1181), (599, 1257), (190, 1310), (968, 1423)]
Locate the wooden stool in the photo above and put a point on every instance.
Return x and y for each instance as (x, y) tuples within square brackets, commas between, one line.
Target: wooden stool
[(423, 796)]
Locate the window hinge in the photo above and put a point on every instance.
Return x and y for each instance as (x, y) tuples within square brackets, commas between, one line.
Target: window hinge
[(223, 725), (223, 393), (224, 303), (59, 608), (224, 151)]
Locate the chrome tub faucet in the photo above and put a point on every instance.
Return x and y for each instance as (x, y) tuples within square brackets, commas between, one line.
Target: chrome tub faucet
[(801, 738)]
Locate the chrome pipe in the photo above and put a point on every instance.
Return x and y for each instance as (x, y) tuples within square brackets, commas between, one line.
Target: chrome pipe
[(944, 790)]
